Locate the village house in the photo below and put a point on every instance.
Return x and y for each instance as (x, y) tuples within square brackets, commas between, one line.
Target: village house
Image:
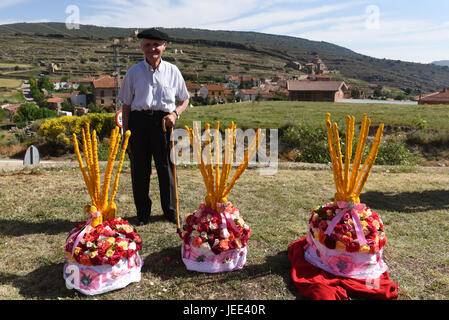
[(294, 65), (55, 103), (193, 89), (316, 90), (61, 95), (79, 111), (78, 99), (441, 97), (318, 77), (12, 108), (233, 82), (58, 84), (247, 95), (75, 83), (105, 92), (267, 95), (212, 91)]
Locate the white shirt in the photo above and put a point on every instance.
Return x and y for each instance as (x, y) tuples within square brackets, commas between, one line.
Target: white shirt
[(146, 89)]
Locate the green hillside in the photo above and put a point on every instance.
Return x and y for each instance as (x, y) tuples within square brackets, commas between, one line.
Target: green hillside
[(283, 49)]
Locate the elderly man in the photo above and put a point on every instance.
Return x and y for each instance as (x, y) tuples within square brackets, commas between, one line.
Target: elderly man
[(153, 90)]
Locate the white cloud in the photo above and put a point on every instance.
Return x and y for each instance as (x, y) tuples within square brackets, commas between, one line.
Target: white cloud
[(10, 3), (206, 14)]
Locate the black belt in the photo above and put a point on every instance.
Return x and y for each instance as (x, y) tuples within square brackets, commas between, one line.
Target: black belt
[(151, 112)]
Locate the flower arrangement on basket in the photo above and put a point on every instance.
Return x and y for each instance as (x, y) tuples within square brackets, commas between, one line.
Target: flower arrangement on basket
[(102, 252), (346, 237), (215, 236)]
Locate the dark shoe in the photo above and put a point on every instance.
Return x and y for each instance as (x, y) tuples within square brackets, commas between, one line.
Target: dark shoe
[(142, 223), (171, 218)]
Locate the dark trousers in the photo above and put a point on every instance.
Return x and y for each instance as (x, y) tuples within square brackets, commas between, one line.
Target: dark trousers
[(148, 141)]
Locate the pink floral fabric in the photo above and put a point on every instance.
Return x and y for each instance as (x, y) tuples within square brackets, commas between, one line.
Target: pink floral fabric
[(345, 264)]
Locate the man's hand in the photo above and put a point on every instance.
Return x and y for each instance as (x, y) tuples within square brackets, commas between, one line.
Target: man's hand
[(170, 120)]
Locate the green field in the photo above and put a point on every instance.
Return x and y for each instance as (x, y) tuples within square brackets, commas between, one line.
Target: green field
[(10, 83), (270, 114), (37, 216)]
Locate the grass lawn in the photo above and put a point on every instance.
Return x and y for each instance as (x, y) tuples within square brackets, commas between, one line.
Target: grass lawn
[(10, 83), (276, 114), (40, 207), (4, 65)]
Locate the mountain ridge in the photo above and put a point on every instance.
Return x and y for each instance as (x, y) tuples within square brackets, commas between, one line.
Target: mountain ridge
[(394, 73)]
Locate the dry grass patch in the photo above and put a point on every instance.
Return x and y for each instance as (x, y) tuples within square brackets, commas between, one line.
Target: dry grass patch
[(40, 207)]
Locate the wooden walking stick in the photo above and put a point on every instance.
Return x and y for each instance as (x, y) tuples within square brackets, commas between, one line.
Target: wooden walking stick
[(178, 224)]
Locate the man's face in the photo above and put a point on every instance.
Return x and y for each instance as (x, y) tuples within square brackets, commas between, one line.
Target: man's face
[(153, 49)]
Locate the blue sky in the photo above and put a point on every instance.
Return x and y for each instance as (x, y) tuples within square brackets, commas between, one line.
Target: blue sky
[(416, 31)]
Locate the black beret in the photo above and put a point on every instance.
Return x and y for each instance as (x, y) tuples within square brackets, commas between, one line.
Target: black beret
[(153, 34)]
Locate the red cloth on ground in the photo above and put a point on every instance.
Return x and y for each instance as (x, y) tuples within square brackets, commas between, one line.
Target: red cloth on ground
[(317, 284)]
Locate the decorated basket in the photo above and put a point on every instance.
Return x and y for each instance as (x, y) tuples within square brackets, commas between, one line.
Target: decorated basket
[(346, 237), (102, 252), (215, 236)]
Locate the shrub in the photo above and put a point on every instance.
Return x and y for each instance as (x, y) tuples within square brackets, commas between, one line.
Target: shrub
[(393, 151), (60, 130), (434, 138), (310, 141), (311, 145)]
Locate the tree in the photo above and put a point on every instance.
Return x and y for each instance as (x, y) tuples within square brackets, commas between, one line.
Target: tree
[(67, 106), (83, 89), (30, 112), (355, 93), (45, 83), (93, 108), (32, 82)]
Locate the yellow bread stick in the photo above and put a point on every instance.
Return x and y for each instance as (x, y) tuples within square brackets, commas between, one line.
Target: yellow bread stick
[(349, 188), (113, 148), (359, 152), (95, 220), (108, 172), (111, 211), (252, 149), (201, 164), (331, 143), (372, 158), (96, 166), (339, 160), (217, 161), (119, 169), (196, 144), (231, 151), (88, 160), (348, 150), (225, 167), (209, 167), (83, 170)]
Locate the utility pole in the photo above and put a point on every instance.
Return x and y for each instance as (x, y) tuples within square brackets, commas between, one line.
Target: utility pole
[(116, 49), (118, 105)]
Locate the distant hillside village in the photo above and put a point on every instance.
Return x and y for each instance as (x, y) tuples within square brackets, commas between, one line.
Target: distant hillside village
[(311, 81)]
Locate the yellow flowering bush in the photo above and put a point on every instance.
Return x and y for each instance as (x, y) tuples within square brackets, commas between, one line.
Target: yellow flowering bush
[(60, 130)]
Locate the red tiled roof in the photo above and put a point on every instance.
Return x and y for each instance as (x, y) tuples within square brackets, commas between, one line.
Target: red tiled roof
[(249, 91), (60, 95), (442, 96), (11, 107), (55, 100), (214, 87), (89, 79), (193, 86), (297, 85), (105, 82)]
